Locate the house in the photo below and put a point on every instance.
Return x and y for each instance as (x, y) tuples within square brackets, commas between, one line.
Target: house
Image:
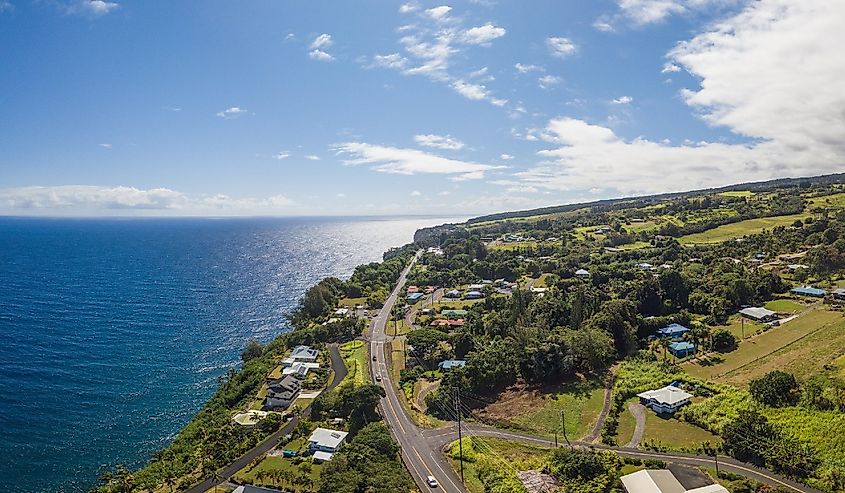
[(342, 312), (473, 295), (451, 363), (454, 313), (808, 291), (795, 267), (452, 294), (248, 488), (327, 441), (476, 287), (537, 290), (582, 273), (673, 331), (666, 400), (413, 289), (414, 297), (839, 294), (300, 369), (451, 323), (759, 314), (645, 266), (662, 481), (282, 392), (301, 354), (681, 348)]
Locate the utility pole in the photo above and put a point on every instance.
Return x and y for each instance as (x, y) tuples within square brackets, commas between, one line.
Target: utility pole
[(460, 435), (563, 425), (743, 326)]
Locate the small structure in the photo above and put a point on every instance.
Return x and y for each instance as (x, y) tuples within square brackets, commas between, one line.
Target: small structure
[(473, 295), (454, 313), (282, 392), (759, 314), (413, 297), (327, 441), (808, 291), (413, 289), (795, 267), (476, 287), (666, 400), (839, 294), (582, 273), (319, 457), (673, 331), (248, 488), (452, 294), (645, 266), (681, 348), (249, 418), (448, 364), (342, 312), (538, 481)]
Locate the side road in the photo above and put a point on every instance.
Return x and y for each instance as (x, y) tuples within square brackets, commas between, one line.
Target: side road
[(340, 372)]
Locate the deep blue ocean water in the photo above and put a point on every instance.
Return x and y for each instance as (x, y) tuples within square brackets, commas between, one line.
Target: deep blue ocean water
[(114, 331)]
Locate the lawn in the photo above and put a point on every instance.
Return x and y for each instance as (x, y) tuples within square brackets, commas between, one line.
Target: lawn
[(279, 471), (353, 302), (784, 306), (540, 413), (737, 193), (637, 245), (627, 425), (739, 229), (354, 355), (673, 433), (506, 456), (759, 352)]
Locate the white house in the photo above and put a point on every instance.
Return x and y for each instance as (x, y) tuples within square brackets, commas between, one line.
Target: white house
[(666, 400), (342, 312), (325, 441), (759, 314), (582, 273), (301, 354), (662, 481), (300, 370)]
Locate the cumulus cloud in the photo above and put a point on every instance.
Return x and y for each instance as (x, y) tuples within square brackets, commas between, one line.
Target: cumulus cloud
[(524, 69), (409, 161), (407, 8), (440, 13), (644, 12), (416, 193), (86, 200), (623, 100), (232, 113), (318, 48), (95, 8), (482, 34), (439, 141), (476, 92), (320, 55), (505, 157), (392, 60), (548, 81), (560, 47), (669, 68)]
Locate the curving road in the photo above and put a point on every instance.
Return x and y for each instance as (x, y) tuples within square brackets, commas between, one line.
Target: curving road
[(420, 457)]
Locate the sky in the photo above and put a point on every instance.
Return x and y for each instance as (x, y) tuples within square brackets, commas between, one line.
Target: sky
[(270, 107)]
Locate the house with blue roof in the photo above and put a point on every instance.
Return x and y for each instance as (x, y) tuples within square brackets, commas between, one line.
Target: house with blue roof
[(451, 363), (808, 291), (681, 348), (413, 297), (672, 331)]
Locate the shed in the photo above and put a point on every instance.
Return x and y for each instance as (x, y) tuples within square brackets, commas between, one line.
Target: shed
[(808, 291)]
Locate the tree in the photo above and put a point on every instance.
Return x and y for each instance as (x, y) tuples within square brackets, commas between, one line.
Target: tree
[(776, 388), (425, 343), (723, 340), (253, 350), (619, 319), (567, 464)]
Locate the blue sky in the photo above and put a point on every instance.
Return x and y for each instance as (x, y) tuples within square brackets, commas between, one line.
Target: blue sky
[(295, 108)]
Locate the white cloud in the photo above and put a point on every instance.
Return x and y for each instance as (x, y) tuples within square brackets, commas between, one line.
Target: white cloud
[(482, 34), (94, 8), (231, 113), (393, 60), (6, 6), (416, 193), (312, 157), (548, 81), (322, 41), (623, 100), (561, 47), (410, 161), (407, 8), (320, 55), (281, 155), (669, 68), (476, 92), (524, 69), (341, 195), (440, 13), (439, 141), (505, 157), (644, 12), (603, 25)]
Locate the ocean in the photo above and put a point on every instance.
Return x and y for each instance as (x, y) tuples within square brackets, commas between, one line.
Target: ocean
[(114, 331)]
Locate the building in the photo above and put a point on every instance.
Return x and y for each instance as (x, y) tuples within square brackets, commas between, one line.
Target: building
[(282, 392), (759, 314), (582, 273), (301, 354), (413, 289), (645, 266), (795, 267), (673, 331), (662, 481), (451, 363), (454, 313), (666, 400), (473, 295), (342, 312), (248, 488), (299, 369), (839, 294), (681, 348), (452, 294), (414, 297), (326, 441), (808, 291)]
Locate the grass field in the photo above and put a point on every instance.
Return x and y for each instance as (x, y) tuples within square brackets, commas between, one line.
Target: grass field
[(836, 200), (674, 433), (540, 413), (353, 302), (274, 471), (637, 245), (627, 425), (737, 193), (784, 306), (397, 328), (773, 348), (740, 229), (354, 355), (509, 457), (516, 245)]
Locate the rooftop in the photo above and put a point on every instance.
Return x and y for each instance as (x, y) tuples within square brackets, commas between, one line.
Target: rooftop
[(667, 395), (652, 481), (327, 438), (757, 312), (672, 330)]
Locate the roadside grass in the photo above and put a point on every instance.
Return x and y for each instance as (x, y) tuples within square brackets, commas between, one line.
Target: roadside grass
[(784, 306), (275, 471), (540, 412), (804, 357), (397, 328), (354, 354), (670, 432), (721, 366), (739, 229), (737, 193), (627, 425), (506, 456)]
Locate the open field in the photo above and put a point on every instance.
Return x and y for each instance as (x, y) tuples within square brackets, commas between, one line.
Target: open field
[(740, 229), (278, 471), (540, 412), (758, 353), (737, 193), (506, 456), (836, 200), (354, 355), (353, 302), (674, 433), (785, 306), (637, 245), (627, 425)]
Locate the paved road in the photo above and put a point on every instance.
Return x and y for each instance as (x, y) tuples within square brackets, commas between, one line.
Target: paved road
[(419, 456), (638, 411), (440, 437), (340, 372)]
